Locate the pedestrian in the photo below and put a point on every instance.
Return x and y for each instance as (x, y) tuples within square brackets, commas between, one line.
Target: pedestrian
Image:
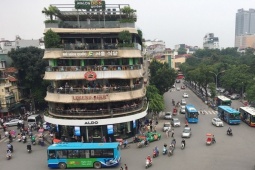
[(151, 127), (110, 139), (121, 168), (172, 132), (167, 133), (126, 168)]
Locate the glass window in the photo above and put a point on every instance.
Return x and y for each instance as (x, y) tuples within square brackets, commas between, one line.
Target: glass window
[(102, 153), (73, 153), (61, 154), (52, 154)]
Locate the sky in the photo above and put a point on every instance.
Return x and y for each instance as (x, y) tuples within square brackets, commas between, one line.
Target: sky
[(172, 21)]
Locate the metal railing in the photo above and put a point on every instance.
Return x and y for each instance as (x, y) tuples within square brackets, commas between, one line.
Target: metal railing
[(89, 90), (112, 112), (93, 68)]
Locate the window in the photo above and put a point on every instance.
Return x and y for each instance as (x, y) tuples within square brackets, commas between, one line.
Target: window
[(73, 154), (61, 154), (102, 153), (52, 154)]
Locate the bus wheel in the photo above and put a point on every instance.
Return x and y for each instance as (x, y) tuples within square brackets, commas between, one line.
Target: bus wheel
[(97, 165), (62, 165)]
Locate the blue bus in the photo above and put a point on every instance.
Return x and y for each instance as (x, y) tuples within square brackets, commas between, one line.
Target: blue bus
[(83, 155), (229, 115), (191, 113)]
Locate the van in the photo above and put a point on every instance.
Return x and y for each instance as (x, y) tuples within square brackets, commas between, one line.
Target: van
[(34, 119)]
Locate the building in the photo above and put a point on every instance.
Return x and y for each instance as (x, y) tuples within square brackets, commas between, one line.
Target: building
[(245, 22), (245, 41), (97, 87), (210, 41)]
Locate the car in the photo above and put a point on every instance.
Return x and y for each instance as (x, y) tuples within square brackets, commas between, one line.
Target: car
[(150, 136), (217, 122), (182, 110), (176, 122), (168, 115), (166, 126), (13, 122), (186, 133), (235, 96), (178, 81), (185, 95), (178, 88), (183, 102), (183, 87)]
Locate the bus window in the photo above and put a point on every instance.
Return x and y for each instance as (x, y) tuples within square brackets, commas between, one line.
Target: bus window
[(62, 154), (73, 153), (52, 154)]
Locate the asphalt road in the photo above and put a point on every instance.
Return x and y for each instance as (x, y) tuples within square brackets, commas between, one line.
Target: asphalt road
[(229, 153)]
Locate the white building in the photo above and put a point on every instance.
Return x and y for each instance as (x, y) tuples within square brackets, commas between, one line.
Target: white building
[(210, 41)]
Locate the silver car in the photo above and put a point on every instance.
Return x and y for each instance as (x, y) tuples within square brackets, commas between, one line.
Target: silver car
[(186, 133), (183, 102), (13, 122), (166, 126), (182, 110), (175, 122), (168, 115)]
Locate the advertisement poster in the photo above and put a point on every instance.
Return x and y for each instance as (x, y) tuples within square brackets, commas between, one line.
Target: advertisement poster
[(77, 131), (134, 124), (110, 129)]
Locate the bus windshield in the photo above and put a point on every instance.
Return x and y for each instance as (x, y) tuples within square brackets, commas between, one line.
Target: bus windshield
[(193, 115)]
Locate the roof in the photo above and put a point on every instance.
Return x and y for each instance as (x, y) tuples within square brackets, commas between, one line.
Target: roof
[(11, 70), (228, 109), (191, 108), (80, 145), (223, 98), (11, 78), (248, 109)]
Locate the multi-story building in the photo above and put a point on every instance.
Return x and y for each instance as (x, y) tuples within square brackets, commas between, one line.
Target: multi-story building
[(245, 41), (97, 85), (210, 41), (245, 22)]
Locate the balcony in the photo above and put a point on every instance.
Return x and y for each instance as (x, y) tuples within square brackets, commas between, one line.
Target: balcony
[(102, 113), (5, 85), (86, 90)]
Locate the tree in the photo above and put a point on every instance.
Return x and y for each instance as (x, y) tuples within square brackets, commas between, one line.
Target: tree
[(128, 11), (31, 68), (51, 39), (125, 36), (156, 101), (51, 11), (182, 51)]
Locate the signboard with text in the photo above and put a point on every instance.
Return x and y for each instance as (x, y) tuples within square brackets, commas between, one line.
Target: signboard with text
[(106, 53), (92, 4)]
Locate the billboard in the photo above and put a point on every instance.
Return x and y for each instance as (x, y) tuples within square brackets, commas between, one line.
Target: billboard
[(110, 129), (86, 4), (77, 131)]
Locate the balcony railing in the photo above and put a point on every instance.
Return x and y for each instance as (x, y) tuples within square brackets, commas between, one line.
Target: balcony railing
[(98, 46), (86, 90), (114, 112), (94, 68)]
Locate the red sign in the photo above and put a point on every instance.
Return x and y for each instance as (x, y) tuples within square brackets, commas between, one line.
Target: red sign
[(90, 76), (97, 97)]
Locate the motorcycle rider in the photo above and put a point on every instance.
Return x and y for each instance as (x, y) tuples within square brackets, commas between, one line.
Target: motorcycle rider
[(146, 142), (183, 142), (9, 147), (125, 143), (8, 153), (24, 138), (33, 140), (229, 131), (149, 159), (173, 142), (164, 149), (156, 150), (29, 147)]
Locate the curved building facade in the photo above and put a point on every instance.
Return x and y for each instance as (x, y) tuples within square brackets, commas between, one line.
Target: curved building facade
[(97, 89)]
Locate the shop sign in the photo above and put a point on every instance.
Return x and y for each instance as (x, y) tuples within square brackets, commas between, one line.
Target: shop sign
[(91, 122), (96, 97), (90, 76), (94, 53)]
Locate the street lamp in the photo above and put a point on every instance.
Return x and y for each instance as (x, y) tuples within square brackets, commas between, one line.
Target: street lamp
[(216, 77)]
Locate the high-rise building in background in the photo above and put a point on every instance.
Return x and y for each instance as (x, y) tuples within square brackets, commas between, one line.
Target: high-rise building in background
[(245, 29), (210, 41)]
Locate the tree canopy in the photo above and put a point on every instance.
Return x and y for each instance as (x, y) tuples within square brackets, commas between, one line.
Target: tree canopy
[(156, 101), (51, 39)]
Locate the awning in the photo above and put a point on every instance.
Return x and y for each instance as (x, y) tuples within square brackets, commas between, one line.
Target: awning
[(16, 106)]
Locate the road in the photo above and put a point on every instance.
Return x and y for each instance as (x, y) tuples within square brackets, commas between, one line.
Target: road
[(229, 153)]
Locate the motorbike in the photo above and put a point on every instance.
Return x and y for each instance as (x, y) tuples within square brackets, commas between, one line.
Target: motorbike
[(164, 150), (8, 155), (24, 139), (229, 133), (148, 163), (182, 146), (155, 153), (171, 151), (29, 148), (142, 144)]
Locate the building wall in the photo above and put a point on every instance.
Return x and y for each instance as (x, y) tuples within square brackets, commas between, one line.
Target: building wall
[(245, 22), (245, 41)]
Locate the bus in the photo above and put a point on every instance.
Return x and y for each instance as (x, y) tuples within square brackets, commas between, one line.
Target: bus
[(191, 113), (222, 100), (83, 155), (248, 115), (229, 115)]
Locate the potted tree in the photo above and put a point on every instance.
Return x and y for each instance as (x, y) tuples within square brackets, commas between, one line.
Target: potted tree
[(125, 39), (50, 12), (129, 17), (51, 39)]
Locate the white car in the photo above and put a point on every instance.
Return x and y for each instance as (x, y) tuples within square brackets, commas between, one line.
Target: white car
[(176, 122), (183, 102), (186, 133), (178, 88), (168, 115), (182, 110), (217, 122), (13, 122), (166, 126), (185, 95)]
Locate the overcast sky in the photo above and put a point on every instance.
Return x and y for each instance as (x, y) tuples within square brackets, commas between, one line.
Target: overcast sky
[(172, 21)]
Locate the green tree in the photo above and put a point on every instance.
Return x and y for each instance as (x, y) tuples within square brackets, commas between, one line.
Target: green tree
[(128, 11), (51, 11), (51, 39), (156, 101), (182, 51), (31, 70), (125, 36)]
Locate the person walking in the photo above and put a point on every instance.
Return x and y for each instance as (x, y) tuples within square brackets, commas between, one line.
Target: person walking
[(126, 168), (121, 168), (167, 133), (172, 132)]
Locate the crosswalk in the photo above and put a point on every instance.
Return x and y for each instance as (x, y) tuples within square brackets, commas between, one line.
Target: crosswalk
[(6, 140)]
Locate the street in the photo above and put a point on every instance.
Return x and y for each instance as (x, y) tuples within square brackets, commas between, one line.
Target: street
[(229, 153)]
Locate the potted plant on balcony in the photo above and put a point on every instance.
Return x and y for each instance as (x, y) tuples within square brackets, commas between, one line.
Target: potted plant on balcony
[(125, 39), (51, 39), (51, 11), (129, 17)]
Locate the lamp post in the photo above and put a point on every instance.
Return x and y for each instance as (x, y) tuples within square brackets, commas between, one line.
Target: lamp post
[(216, 77)]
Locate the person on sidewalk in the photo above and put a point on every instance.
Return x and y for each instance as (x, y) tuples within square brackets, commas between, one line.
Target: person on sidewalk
[(126, 168), (172, 132)]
